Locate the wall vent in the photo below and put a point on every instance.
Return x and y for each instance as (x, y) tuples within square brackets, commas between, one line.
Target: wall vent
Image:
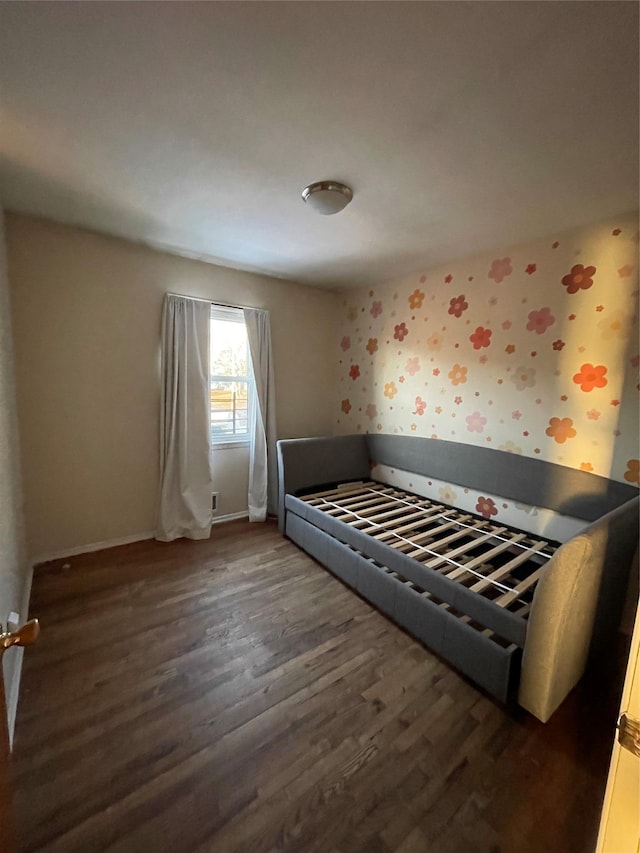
[(214, 503)]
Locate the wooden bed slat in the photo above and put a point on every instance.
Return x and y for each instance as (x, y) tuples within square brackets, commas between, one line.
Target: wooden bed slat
[(505, 570), (390, 515)]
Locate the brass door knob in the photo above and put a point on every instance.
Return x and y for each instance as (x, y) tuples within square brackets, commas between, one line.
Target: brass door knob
[(24, 636), (629, 733)]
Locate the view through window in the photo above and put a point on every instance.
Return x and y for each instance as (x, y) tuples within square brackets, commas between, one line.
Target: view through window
[(231, 387)]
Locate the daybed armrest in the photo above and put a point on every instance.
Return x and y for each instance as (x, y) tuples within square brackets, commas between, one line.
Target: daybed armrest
[(587, 574), (307, 462)]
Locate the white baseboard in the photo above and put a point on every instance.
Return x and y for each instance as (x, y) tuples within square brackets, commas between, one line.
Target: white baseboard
[(124, 540), (92, 546), (232, 516), (14, 689)]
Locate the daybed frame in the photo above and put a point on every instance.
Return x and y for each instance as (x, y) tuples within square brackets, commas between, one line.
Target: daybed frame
[(477, 592)]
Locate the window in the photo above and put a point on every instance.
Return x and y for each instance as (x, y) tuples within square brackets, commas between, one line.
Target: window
[(231, 380)]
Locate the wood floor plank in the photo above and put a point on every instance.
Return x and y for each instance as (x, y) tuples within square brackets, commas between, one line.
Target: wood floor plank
[(231, 695)]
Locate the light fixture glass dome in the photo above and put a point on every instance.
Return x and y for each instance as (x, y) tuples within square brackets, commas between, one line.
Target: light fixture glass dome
[(327, 197)]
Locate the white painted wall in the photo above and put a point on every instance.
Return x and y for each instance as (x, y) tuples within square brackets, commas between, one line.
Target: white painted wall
[(87, 312), (14, 574)]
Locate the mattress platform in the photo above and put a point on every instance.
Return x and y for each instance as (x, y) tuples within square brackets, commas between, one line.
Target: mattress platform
[(454, 575)]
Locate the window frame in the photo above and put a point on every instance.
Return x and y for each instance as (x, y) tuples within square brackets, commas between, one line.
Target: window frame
[(229, 314)]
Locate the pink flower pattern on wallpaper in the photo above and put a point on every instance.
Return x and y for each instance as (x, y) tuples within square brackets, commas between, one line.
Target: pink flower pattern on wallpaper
[(420, 406), (400, 332), (524, 377), (500, 269), (371, 411), (486, 507), (458, 305), (481, 337), (412, 366), (475, 422), (591, 377), (425, 366), (539, 321), (580, 278)]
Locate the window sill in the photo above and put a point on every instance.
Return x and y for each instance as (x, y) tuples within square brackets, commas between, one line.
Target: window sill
[(229, 445)]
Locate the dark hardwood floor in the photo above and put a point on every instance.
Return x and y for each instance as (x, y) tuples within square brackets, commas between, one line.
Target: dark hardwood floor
[(231, 695)]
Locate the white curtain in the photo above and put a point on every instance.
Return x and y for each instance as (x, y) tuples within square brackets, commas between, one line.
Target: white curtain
[(262, 460), (185, 439)]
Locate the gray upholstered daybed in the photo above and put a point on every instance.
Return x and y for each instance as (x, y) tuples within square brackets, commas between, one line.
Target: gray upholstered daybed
[(511, 609)]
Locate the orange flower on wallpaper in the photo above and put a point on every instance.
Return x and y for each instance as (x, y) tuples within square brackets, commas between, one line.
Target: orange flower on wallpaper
[(591, 377), (354, 371), (632, 474), (458, 374), (416, 299), (580, 278), (560, 429), (457, 305), (372, 346), (614, 324), (480, 338), (400, 332), (486, 507), (586, 466), (390, 390), (346, 406)]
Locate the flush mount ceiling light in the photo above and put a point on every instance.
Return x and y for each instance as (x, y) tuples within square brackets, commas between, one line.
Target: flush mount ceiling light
[(327, 197)]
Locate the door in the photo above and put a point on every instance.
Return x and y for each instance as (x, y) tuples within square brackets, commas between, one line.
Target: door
[(24, 636), (620, 820), (7, 832)]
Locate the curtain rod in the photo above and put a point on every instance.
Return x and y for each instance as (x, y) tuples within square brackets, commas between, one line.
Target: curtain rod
[(213, 301)]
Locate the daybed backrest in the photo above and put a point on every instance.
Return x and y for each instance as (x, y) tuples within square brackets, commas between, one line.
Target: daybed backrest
[(531, 481), (583, 583), (307, 462)]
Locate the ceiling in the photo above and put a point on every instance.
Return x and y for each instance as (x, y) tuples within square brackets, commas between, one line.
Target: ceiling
[(195, 126)]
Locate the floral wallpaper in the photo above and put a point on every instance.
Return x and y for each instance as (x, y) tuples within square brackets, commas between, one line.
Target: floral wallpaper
[(531, 350)]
